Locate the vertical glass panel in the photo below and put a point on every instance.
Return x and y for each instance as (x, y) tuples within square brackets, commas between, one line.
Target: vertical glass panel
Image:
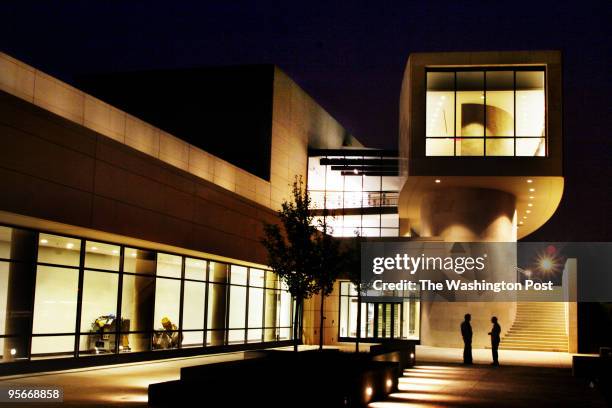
[(135, 342), (370, 232), (52, 346), (334, 225), (55, 300), (271, 280), (239, 275), (195, 269), (353, 182), (389, 220), (237, 312), (440, 104), (370, 220), (317, 199), (256, 298), (55, 249), (217, 303), (4, 289), (235, 336), (98, 312), (334, 199), (285, 309), (371, 183), (370, 320), (316, 174), (352, 221), (271, 314), (139, 261), (334, 181), (169, 265), (256, 277), (101, 256), (137, 310), (194, 299), (470, 104), (532, 147), (344, 316), (218, 272), (166, 320), (193, 339), (389, 232), (530, 103), (500, 147), (500, 104), (254, 335), (391, 183), (439, 147), (167, 304), (352, 199), (5, 242), (470, 147)]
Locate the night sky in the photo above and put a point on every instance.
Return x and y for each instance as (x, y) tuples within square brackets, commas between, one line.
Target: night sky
[(350, 57)]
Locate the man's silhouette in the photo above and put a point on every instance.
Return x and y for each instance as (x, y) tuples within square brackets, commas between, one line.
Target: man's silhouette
[(495, 339), (466, 332)]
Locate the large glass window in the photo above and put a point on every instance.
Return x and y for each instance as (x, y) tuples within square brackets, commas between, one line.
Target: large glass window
[(131, 299), (485, 112)]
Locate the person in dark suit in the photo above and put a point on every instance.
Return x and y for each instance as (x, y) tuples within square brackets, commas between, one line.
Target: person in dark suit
[(466, 333), (495, 339)]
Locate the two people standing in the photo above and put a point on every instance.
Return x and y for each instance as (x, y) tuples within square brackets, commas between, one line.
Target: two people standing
[(466, 333)]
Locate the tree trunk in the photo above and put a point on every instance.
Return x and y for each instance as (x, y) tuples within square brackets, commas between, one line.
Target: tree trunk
[(358, 335), (321, 319), (296, 324)]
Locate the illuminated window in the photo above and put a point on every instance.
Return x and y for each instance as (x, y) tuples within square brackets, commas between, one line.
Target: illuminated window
[(486, 112)]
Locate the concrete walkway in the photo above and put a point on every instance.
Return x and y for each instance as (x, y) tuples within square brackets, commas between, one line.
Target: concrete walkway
[(453, 385), (437, 384)]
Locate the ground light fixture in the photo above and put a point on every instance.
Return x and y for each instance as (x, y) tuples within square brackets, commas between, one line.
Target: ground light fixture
[(369, 391), (43, 241), (13, 351), (438, 181)]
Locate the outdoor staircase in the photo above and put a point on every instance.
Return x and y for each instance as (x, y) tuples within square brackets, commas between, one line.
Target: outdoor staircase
[(539, 326)]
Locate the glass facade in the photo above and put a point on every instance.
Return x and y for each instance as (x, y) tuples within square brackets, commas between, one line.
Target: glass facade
[(486, 112), (358, 202), (69, 297), (399, 320)]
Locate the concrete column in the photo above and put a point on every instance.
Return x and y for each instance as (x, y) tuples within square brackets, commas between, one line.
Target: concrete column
[(20, 296), (461, 214)]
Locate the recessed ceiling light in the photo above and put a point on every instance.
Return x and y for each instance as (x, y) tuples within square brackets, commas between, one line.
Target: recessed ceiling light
[(43, 241), (528, 211), (530, 205), (521, 222), (529, 180), (438, 181), (355, 171), (531, 197), (94, 248), (115, 251), (524, 217), (532, 189), (70, 245)]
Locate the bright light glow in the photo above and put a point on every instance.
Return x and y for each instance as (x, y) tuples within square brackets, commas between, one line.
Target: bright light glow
[(528, 211), (70, 245), (411, 355), (531, 197), (524, 217), (438, 181), (94, 248), (133, 254), (43, 241), (530, 205), (421, 396), (529, 180), (13, 351), (389, 383), (369, 391), (532, 189), (355, 171), (115, 251), (521, 222)]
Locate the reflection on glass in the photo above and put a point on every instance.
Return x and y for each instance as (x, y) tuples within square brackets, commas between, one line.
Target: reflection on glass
[(470, 106), (55, 249), (137, 310), (101, 256), (139, 261), (217, 303), (500, 105), (440, 104)]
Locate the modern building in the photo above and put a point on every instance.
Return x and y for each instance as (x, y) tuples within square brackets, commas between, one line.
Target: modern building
[(131, 214), (120, 241)]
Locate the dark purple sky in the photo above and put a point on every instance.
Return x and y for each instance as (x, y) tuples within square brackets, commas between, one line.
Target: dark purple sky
[(350, 57)]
